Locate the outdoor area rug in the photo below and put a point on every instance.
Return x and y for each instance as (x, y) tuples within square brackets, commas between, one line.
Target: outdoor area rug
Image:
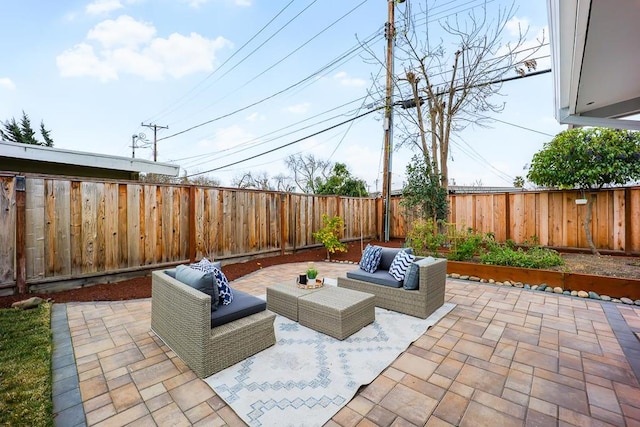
[(306, 377)]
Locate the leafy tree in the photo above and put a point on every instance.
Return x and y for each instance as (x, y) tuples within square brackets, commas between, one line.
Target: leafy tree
[(342, 183), (23, 133), (308, 171), (423, 192), (588, 159), (329, 235), (518, 182)]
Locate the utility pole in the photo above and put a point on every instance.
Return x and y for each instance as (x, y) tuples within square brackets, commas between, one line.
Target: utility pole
[(388, 120), (155, 137)]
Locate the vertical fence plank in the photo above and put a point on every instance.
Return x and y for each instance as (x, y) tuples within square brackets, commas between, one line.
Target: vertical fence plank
[(134, 258), (633, 220), (123, 239), (7, 228), (62, 210), (89, 227), (111, 214), (618, 220), (76, 227)]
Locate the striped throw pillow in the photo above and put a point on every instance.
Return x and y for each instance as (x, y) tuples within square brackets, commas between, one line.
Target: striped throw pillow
[(400, 265)]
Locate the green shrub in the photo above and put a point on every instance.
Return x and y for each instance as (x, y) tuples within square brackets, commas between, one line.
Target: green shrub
[(465, 244), (329, 235), (424, 238), (534, 257)]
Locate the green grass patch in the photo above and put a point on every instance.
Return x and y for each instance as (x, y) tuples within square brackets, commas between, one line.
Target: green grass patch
[(25, 367)]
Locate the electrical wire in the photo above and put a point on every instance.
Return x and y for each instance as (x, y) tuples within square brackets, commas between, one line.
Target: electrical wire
[(290, 143)]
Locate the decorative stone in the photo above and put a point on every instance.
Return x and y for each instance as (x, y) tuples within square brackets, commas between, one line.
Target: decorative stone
[(542, 287), (26, 304), (492, 281), (566, 293), (483, 281), (498, 283), (594, 295), (616, 300), (519, 285), (527, 286), (583, 294), (558, 290), (474, 278), (534, 287), (626, 300), (464, 277), (637, 302), (548, 289), (507, 283), (455, 276), (605, 297), (574, 293)]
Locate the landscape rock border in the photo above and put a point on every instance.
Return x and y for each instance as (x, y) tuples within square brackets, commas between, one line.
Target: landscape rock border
[(543, 287)]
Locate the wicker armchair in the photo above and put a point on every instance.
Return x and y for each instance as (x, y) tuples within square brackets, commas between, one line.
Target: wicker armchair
[(419, 303), (181, 317)]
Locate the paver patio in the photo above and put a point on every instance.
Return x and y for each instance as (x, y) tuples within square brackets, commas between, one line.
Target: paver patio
[(502, 357)]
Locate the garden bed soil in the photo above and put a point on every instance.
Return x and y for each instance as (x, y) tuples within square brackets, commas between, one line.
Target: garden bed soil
[(140, 287)]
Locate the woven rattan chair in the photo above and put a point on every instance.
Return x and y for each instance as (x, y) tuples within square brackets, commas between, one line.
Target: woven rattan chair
[(181, 317), (419, 303)]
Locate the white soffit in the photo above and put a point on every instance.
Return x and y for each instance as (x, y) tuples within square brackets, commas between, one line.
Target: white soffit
[(79, 158), (595, 53)]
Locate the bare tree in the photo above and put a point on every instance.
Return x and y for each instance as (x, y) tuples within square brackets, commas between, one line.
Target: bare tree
[(259, 181), (308, 171), (445, 90)]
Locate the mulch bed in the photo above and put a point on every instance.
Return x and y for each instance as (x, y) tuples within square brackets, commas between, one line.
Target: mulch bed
[(140, 287)]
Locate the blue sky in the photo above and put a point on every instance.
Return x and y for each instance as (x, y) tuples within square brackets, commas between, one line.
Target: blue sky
[(95, 70)]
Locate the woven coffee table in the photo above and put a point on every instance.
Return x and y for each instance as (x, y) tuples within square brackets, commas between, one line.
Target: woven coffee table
[(283, 299), (337, 312)]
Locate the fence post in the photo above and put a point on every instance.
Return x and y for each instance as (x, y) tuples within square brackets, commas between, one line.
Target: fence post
[(283, 244), (21, 233), (192, 223), (507, 218), (628, 238)]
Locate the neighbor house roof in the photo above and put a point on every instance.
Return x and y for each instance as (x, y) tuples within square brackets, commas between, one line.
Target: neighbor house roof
[(595, 46), (28, 158)]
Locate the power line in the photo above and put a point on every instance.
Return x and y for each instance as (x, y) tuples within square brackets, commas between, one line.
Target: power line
[(290, 143), (174, 105)]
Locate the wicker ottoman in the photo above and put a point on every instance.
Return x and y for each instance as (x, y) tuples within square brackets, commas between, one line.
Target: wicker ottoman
[(337, 312), (283, 299)]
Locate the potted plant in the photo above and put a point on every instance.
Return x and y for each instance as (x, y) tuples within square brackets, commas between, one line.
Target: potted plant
[(312, 272)]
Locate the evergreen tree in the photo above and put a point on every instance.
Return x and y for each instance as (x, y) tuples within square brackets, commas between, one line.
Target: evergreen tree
[(23, 133)]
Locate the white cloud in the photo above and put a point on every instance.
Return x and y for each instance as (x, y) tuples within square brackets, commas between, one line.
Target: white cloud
[(128, 46), (227, 138), (516, 25), (7, 83), (197, 3), (124, 31), (299, 108), (345, 80), (82, 61), (99, 7), (255, 117)]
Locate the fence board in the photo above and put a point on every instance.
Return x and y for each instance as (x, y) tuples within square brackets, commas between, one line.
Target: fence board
[(123, 228), (89, 230), (634, 220), (618, 220), (35, 218), (7, 229), (134, 257), (111, 215)]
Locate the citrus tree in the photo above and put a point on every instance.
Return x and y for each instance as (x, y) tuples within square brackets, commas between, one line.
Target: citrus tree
[(587, 159)]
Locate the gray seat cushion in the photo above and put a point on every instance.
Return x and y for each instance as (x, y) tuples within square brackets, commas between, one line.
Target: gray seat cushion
[(379, 277), (243, 305)]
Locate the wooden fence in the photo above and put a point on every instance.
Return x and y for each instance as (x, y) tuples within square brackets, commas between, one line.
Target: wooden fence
[(551, 216), (78, 229), (57, 229)]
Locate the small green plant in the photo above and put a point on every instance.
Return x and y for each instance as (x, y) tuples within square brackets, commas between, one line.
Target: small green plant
[(466, 244), (424, 238), (312, 273), (330, 233)]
